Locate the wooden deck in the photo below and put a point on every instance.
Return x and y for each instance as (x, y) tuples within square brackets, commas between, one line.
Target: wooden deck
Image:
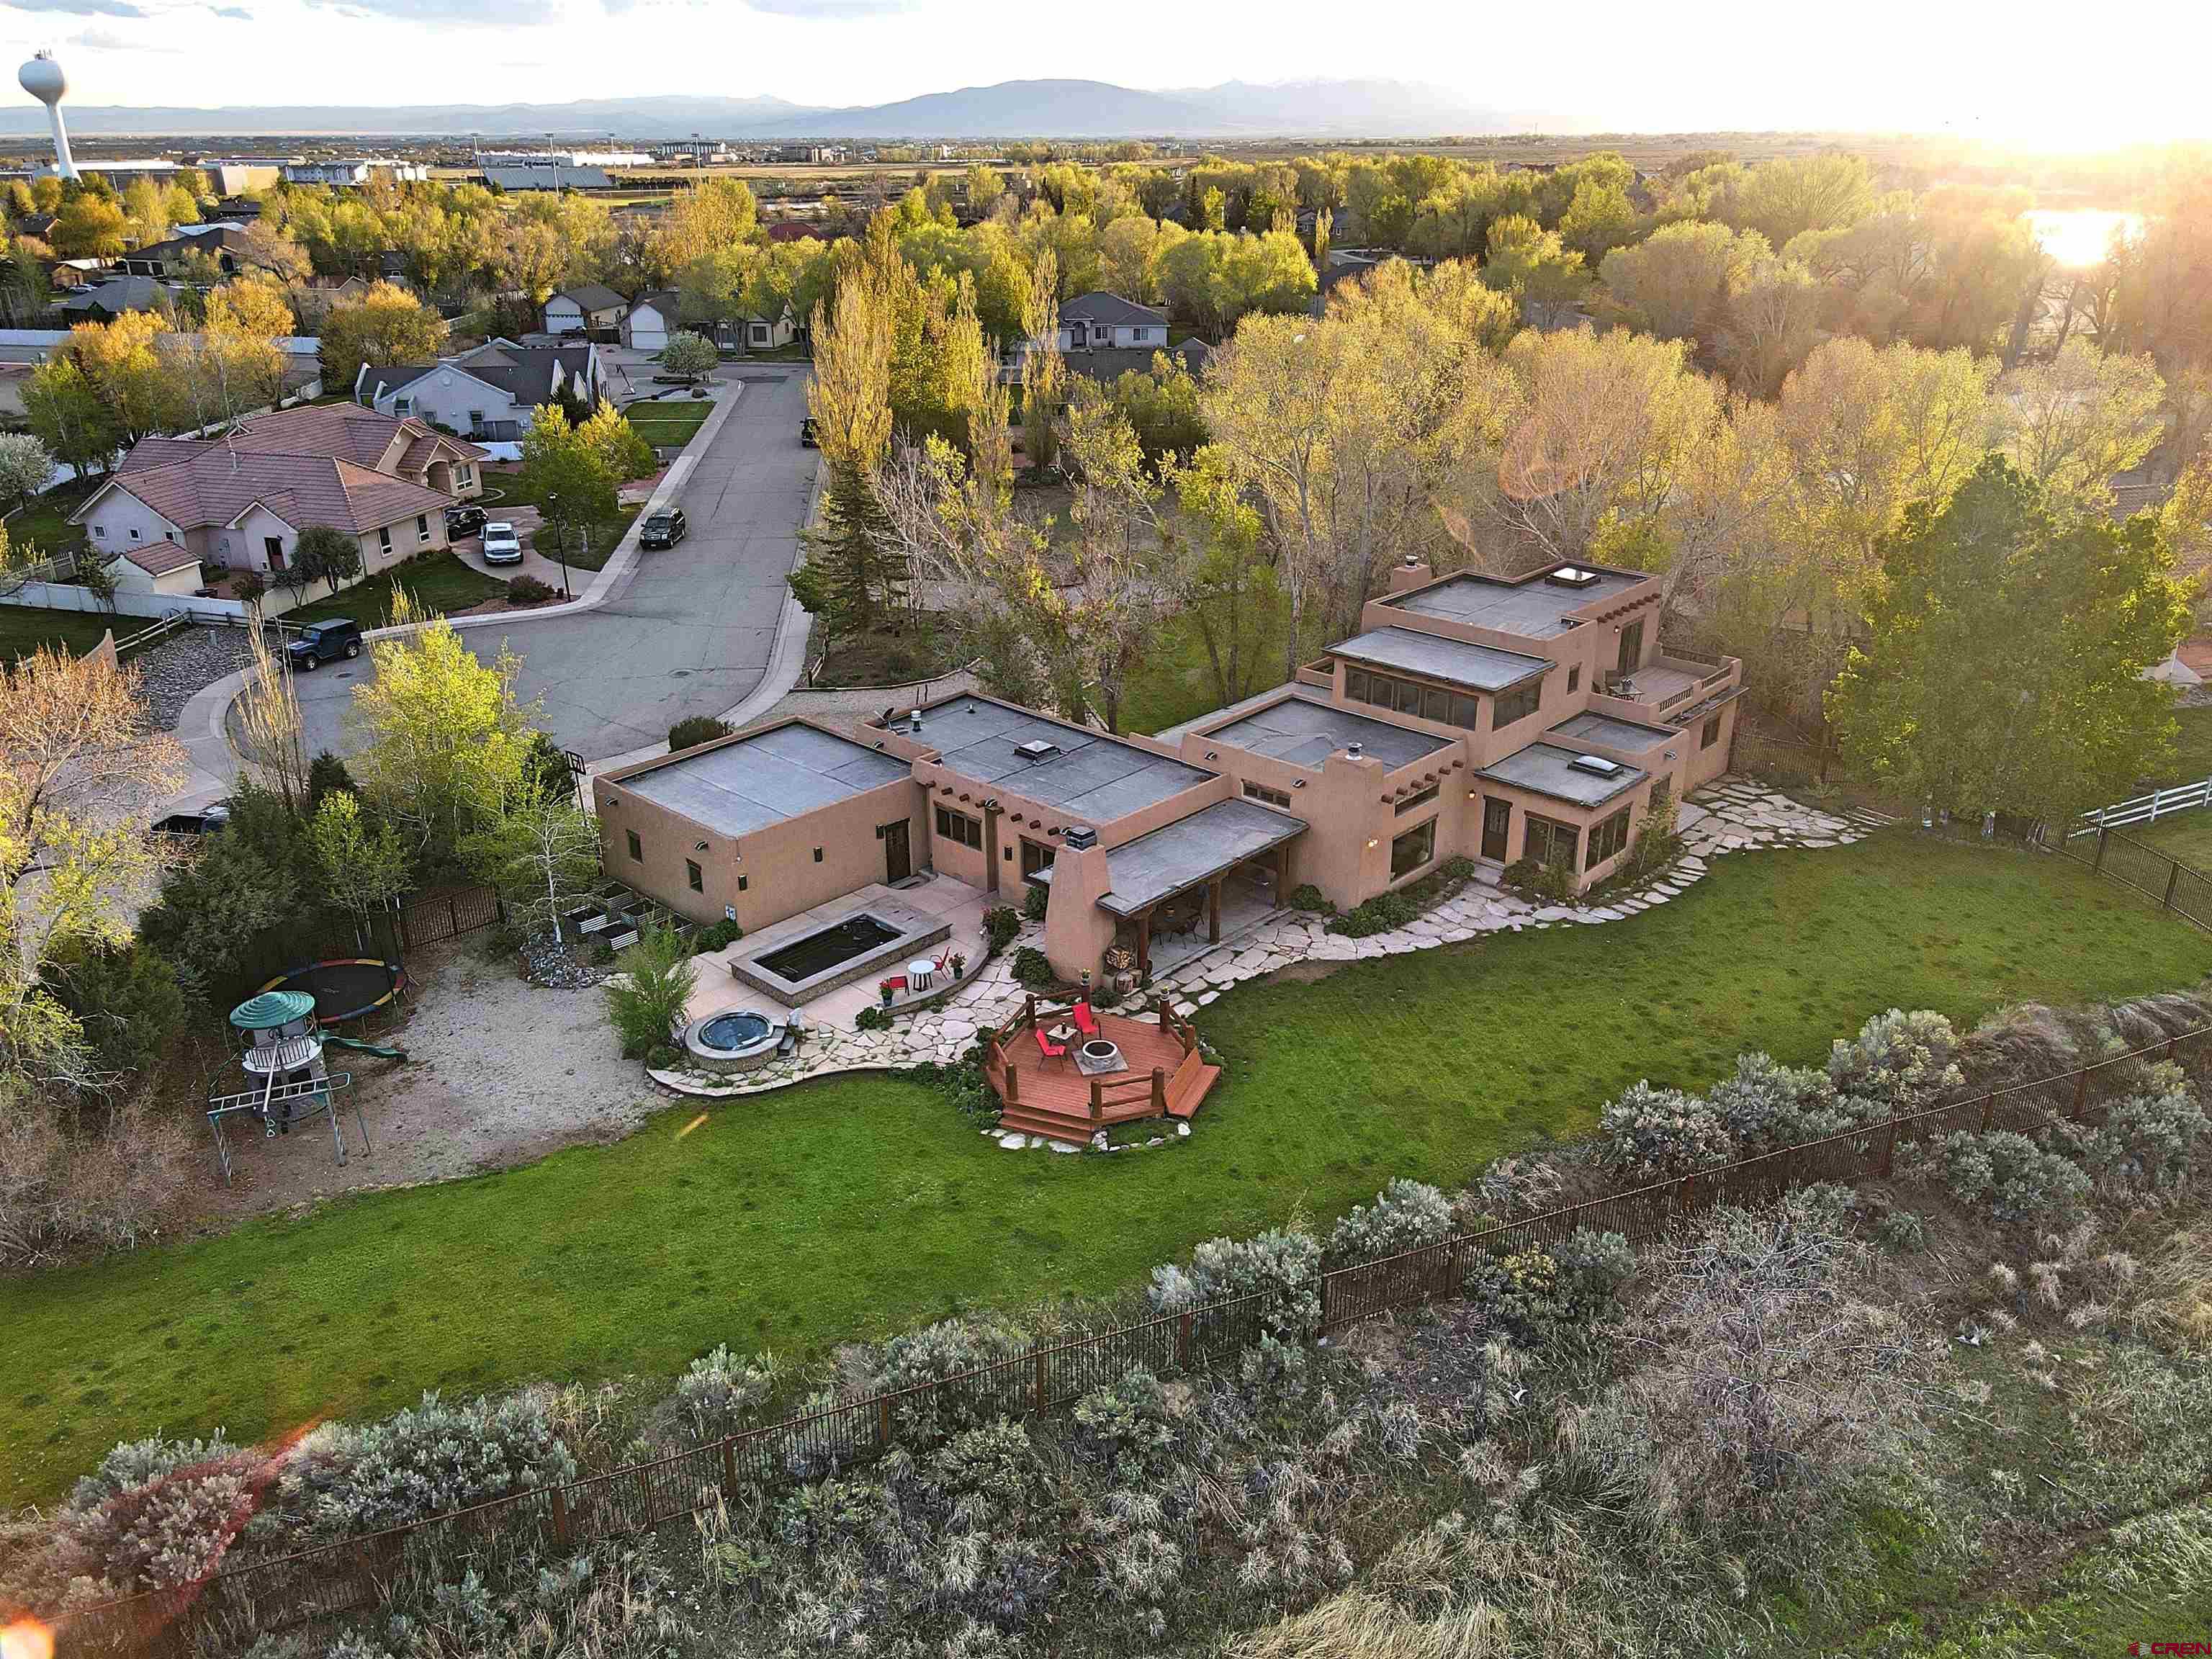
[(1166, 1075)]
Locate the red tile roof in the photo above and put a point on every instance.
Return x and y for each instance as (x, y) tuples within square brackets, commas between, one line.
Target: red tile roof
[(159, 558)]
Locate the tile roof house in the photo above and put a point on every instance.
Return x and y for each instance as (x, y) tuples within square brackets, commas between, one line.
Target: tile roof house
[(492, 393), (104, 301), (240, 499), (162, 566), (228, 246)]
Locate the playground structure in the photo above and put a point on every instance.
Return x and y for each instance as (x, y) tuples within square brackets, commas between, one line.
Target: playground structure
[(281, 1043)]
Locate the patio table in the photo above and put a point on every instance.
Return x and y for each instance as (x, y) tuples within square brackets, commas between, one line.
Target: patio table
[(919, 974), (1063, 1033)]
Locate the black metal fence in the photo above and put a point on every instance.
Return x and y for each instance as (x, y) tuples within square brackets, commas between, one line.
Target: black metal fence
[(2181, 888)]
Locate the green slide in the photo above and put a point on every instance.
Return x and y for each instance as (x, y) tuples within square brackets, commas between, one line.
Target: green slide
[(329, 1042)]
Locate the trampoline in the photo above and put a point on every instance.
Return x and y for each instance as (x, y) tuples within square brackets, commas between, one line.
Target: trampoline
[(346, 987)]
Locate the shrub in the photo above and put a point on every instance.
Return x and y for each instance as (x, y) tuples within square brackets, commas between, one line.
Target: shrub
[(327, 775), (1377, 915), (1125, 1426), (873, 1017), (1903, 1231), (126, 998), (1547, 884), (1000, 924), (426, 1461), (951, 1348), (1307, 897), (696, 729), (156, 1513), (647, 1000), (528, 590), (1405, 1216), (1651, 1133), (724, 1394), (1282, 1267), (1035, 901), (721, 935), (1032, 969), (2019, 1182), (1766, 1105), (2149, 1142), (1536, 1294), (1902, 1061)]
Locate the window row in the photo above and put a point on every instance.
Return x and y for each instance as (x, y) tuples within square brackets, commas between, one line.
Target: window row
[(1607, 838), (958, 826), (1437, 703), (1262, 793)]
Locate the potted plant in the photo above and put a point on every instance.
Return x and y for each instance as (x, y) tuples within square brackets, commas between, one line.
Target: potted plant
[(883, 986), (959, 964)]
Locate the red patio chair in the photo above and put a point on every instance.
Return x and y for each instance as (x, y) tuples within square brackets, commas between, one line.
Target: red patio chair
[(1046, 1046), (1086, 1021)]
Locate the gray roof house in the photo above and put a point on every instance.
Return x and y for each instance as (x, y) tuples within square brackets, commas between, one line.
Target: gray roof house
[(586, 308), (490, 395)]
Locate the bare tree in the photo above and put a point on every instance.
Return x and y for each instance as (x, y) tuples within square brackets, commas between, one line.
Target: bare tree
[(270, 725)]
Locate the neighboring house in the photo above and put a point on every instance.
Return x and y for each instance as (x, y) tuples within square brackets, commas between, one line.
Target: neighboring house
[(1106, 322), (354, 171), (107, 299), (587, 308), (162, 566), (240, 501), (490, 394), (228, 246), (652, 318), (1472, 716)]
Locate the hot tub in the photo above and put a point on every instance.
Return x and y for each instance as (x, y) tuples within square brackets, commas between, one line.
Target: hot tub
[(733, 1039)]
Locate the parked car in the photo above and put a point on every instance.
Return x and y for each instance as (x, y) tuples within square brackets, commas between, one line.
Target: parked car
[(806, 432), (324, 641), (186, 826), (500, 544), (464, 521), (664, 529)]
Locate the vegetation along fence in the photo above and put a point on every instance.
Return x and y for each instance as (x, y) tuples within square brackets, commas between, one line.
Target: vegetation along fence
[(351, 1574), (447, 913)]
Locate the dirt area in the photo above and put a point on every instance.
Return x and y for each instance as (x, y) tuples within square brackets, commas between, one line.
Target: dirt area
[(499, 1073)]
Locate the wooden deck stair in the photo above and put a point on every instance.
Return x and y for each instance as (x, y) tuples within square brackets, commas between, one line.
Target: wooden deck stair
[(1165, 1076)]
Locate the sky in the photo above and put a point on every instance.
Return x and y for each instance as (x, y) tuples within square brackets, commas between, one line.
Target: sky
[(2020, 71)]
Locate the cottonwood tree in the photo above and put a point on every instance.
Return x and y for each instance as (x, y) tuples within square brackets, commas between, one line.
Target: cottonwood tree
[(361, 864), (1044, 374), (1124, 555), (1676, 282), (387, 325), (2005, 653), (2074, 421), (81, 768), (67, 415), (446, 740), (2185, 521), (270, 739)]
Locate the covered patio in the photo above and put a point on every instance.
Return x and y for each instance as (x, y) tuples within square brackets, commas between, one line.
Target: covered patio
[(1178, 890)]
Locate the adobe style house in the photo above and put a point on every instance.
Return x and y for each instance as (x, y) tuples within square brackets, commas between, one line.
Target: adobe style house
[(1496, 719), (491, 394), (239, 501)]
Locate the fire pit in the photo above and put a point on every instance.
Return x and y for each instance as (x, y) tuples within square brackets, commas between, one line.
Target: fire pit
[(1098, 1057)]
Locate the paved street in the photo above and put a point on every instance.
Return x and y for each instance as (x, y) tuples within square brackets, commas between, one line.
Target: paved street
[(689, 630)]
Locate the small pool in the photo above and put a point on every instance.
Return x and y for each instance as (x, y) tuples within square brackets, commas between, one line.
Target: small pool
[(735, 1040), (819, 952)]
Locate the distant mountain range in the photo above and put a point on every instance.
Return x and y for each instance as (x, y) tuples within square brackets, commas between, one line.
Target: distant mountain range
[(1012, 109)]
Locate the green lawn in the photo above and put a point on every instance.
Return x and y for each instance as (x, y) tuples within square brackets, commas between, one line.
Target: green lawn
[(44, 522), (440, 584), (24, 629), (2192, 746), (1176, 682), (669, 421), (855, 1206)]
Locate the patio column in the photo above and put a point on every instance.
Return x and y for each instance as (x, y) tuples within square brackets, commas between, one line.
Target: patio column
[(1144, 942), (1213, 911)]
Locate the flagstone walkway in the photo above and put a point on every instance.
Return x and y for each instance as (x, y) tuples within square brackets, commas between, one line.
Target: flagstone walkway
[(1732, 814)]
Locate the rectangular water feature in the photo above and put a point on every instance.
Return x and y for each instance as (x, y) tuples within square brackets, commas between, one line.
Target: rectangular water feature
[(877, 937)]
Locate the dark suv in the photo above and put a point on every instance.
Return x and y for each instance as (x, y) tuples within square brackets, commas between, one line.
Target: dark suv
[(664, 529), (464, 521), (807, 437), (324, 641)]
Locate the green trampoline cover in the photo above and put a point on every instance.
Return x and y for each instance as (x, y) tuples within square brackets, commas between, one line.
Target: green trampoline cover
[(271, 1009)]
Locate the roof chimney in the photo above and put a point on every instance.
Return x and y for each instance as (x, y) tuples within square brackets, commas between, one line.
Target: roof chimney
[(1352, 750), (1079, 837), (914, 721)]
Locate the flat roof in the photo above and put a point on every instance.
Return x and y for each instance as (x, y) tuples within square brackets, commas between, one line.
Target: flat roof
[(1611, 731), (1545, 768), (1302, 731), (1534, 607), (1095, 778), (1165, 862), (737, 787), (1478, 667)]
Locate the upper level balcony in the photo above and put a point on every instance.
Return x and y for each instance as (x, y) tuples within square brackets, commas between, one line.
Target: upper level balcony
[(1667, 687)]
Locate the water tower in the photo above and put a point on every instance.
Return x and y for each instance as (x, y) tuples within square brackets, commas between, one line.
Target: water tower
[(43, 79)]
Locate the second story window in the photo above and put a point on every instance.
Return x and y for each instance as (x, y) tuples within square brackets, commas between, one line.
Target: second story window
[(1516, 704)]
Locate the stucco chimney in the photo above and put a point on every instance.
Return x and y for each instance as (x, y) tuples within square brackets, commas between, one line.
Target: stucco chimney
[(1411, 573)]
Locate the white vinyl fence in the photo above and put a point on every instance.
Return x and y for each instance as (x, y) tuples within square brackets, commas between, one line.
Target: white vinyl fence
[(2145, 808)]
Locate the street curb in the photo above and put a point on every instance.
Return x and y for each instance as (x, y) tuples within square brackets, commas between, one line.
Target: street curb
[(210, 705)]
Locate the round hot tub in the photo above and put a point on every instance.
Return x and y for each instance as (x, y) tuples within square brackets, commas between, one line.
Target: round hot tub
[(734, 1040)]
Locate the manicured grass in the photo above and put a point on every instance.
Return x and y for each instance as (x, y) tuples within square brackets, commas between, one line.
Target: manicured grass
[(856, 1206), (24, 629), (440, 584), (669, 421), (44, 521)]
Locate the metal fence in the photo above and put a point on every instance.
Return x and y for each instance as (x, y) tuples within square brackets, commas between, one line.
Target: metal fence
[(2145, 808), (447, 913), (2181, 888), (352, 1574)]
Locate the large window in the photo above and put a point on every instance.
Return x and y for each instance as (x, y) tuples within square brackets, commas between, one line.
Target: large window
[(1262, 793), (1404, 696), (1036, 855), (958, 826), (1551, 842), (1608, 837), (1410, 851), (1516, 704)]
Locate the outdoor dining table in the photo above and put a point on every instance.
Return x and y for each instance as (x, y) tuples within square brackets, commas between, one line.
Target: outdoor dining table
[(920, 973)]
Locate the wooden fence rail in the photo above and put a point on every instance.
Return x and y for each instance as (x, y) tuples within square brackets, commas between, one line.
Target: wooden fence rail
[(351, 1574)]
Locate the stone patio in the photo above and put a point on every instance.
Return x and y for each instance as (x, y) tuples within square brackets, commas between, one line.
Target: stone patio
[(1732, 814)]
